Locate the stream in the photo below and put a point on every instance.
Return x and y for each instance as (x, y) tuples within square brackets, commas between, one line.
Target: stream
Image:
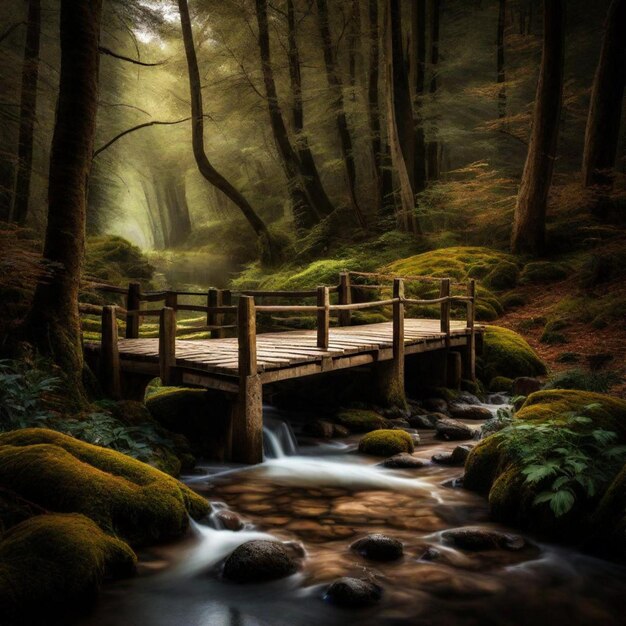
[(323, 495)]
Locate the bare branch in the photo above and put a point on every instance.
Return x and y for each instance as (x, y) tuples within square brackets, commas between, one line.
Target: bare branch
[(104, 50)]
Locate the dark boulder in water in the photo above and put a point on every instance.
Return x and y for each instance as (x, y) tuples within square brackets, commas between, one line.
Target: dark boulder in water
[(479, 539), (404, 460), (378, 547), (353, 592), (470, 412), (259, 561), (453, 430)]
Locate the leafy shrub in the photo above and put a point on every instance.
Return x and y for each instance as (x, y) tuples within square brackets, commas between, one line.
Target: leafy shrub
[(585, 380)]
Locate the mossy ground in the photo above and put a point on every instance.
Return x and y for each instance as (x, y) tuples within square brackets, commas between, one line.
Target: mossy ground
[(386, 442)]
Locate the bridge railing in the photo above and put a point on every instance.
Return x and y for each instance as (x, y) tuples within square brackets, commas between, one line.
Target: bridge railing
[(219, 307)]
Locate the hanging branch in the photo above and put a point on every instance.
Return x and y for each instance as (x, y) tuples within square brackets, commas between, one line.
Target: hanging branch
[(121, 57)]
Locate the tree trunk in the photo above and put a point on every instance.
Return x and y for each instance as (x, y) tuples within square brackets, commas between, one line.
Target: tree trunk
[(417, 81), (197, 126), (354, 42), (501, 78), (28, 110), (433, 145), (605, 108), (178, 211), (311, 178), (53, 323), (336, 88), (395, 88), (530, 211)]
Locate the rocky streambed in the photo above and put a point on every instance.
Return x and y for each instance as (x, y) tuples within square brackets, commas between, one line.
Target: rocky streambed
[(322, 534)]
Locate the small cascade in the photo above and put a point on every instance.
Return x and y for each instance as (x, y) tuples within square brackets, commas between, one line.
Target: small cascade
[(278, 439)]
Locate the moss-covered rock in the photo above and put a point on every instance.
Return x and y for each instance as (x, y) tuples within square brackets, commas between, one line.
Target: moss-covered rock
[(123, 495), (386, 442), (15, 509), (53, 564), (360, 420), (501, 383), (609, 520), (503, 276), (508, 354), (513, 300), (544, 272)]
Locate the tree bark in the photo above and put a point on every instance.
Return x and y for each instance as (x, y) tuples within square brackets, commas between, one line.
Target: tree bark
[(197, 131), (396, 88), (311, 178), (53, 323), (529, 224), (28, 110), (605, 108), (432, 148), (336, 88), (417, 81), (501, 74)]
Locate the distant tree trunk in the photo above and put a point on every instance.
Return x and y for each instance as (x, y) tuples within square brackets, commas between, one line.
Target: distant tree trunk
[(197, 126), (178, 211), (397, 88), (311, 178), (530, 211), (53, 323), (605, 108), (28, 110), (354, 40), (501, 78), (433, 145), (417, 80), (336, 88)]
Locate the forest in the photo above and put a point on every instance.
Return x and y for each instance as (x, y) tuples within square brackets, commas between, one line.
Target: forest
[(312, 311)]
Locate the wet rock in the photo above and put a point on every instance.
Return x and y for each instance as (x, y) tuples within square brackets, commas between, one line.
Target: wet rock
[(478, 539), (442, 458), (340, 431), (470, 412), (353, 592), (426, 421), (453, 483), (228, 519), (392, 413), (524, 386), (399, 422), (436, 405), (378, 547), (259, 561), (456, 458), (319, 428), (453, 430), (404, 460), (465, 397), (416, 439), (430, 554)]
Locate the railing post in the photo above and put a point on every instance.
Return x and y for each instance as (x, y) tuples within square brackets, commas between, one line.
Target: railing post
[(470, 365), (133, 303), (398, 322), (171, 300), (109, 354), (247, 425), (323, 317), (167, 345), (444, 292), (345, 297)]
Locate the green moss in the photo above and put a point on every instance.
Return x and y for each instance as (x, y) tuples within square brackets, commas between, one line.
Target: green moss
[(501, 383), (50, 563), (513, 300), (503, 276), (474, 387), (386, 443), (552, 338), (15, 509), (508, 354), (544, 272), (360, 420), (123, 495), (365, 317), (482, 465)]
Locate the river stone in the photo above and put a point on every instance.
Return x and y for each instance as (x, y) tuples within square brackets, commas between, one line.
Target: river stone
[(524, 386), (404, 460), (470, 412), (259, 561), (453, 430), (436, 405), (423, 422), (399, 422), (229, 519), (319, 428), (378, 547), (478, 539), (353, 592), (340, 431), (460, 454)]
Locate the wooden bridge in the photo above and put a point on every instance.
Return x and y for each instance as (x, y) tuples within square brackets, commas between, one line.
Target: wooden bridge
[(241, 364)]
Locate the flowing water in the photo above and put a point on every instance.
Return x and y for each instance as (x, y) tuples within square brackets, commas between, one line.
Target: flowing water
[(324, 495)]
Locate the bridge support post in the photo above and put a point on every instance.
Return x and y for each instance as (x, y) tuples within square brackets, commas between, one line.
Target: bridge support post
[(390, 374), (167, 345), (109, 354), (247, 420), (469, 354), (133, 303), (345, 297)]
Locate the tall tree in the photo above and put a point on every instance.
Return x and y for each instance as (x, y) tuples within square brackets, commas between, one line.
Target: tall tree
[(529, 225), (311, 177), (28, 110), (53, 323), (605, 109), (197, 131), (501, 74), (432, 147), (417, 81), (336, 88)]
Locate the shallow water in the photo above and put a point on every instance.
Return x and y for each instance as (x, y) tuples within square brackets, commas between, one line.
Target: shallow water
[(324, 495)]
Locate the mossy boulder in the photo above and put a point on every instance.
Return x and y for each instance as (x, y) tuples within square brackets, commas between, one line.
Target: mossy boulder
[(386, 442), (503, 276), (50, 564), (508, 354), (122, 495), (501, 383), (360, 420), (544, 272), (15, 509)]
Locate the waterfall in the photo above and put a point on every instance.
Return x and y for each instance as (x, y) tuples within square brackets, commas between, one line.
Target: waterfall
[(278, 439)]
